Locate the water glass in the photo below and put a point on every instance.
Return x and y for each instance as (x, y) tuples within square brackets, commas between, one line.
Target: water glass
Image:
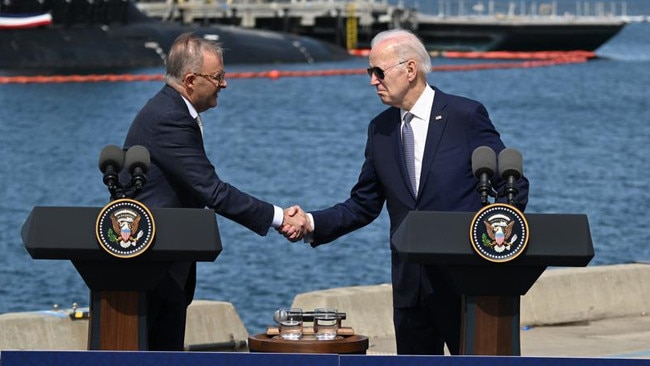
[(326, 323), (290, 320)]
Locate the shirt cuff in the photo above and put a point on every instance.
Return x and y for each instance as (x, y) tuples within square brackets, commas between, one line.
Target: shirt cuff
[(278, 216)]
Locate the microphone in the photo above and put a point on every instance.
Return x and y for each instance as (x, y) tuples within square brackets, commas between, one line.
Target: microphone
[(511, 168), (307, 316), (137, 162), (484, 164), (111, 161)]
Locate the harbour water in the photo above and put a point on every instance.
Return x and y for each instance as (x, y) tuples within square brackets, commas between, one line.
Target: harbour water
[(582, 129)]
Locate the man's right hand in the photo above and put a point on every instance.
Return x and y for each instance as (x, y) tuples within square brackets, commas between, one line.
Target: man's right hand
[(295, 224)]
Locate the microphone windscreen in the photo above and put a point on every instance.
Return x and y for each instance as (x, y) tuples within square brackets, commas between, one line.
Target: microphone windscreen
[(484, 160), (279, 316), (511, 163), (111, 155), (137, 156)]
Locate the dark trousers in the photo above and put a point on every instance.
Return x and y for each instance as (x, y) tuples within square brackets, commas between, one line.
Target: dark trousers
[(167, 308), (426, 328), (166, 324)]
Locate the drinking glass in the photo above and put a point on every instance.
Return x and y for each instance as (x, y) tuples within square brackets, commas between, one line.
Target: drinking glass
[(290, 320), (326, 323)]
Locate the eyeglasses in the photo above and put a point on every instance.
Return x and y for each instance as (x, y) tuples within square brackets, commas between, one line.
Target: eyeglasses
[(381, 73), (219, 78)]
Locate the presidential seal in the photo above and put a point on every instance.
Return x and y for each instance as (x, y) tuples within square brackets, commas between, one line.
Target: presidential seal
[(125, 228), (499, 232)]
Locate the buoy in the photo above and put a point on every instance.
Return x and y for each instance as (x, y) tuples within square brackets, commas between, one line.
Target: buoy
[(274, 74)]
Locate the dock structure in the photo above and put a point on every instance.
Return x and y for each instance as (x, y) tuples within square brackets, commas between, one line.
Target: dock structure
[(248, 13), (353, 24), (342, 22)]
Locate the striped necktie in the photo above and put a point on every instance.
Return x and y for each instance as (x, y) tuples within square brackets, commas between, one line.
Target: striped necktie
[(408, 145), (199, 122)]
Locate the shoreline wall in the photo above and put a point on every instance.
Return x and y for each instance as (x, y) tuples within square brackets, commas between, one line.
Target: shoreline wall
[(560, 296), (208, 323)]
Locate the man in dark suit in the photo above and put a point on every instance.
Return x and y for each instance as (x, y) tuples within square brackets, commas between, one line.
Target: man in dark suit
[(181, 175), (446, 129)]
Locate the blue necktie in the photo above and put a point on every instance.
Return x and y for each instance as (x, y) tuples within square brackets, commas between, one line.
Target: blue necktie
[(408, 144)]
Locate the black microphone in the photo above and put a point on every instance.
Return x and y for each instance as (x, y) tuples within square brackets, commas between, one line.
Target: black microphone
[(511, 168), (137, 162), (484, 164), (111, 161)]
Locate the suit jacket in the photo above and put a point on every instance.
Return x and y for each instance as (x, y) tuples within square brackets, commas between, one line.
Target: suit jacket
[(457, 126), (181, 176)]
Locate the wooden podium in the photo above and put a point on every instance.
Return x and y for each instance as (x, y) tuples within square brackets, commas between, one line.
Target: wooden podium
[(118, 308), (491, 291)]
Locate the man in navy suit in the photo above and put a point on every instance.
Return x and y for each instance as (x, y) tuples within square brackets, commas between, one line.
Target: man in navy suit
[(181, 175), (446, 129)]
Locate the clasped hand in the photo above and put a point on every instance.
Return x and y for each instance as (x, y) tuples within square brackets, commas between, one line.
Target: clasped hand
[(295, 224)]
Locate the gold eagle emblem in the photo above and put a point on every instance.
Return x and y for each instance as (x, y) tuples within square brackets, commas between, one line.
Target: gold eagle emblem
[(125, 224), (500, 233)]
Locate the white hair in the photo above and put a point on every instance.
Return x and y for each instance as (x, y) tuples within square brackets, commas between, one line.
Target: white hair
[(407, 46)]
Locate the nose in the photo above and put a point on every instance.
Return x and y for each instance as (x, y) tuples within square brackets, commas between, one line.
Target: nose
[(374, 80)]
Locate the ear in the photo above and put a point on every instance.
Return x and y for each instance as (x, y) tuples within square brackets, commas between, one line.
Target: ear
[(412, 69), (189, 80)]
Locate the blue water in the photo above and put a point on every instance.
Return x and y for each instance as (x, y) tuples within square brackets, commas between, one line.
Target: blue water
[(583, 130)]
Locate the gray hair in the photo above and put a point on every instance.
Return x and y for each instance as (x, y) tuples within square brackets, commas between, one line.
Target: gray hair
[(186, 55), (407, 46)]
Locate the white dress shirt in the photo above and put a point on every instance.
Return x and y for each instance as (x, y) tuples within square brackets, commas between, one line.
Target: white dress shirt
[(420, 124)]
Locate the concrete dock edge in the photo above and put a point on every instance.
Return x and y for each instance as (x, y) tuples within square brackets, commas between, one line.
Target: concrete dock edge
[(593, 311)]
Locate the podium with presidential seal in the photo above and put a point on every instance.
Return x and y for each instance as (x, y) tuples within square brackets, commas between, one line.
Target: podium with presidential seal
[(121, 250), (493, 256)]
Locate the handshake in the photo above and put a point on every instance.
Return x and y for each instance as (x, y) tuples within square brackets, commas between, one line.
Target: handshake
[(296, 224)]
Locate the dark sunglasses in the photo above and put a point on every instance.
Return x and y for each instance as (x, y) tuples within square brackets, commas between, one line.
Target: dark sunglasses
[(379, 73)]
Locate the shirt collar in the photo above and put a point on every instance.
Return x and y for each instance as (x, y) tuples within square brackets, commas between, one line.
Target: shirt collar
[(190, 108), (422, 107)]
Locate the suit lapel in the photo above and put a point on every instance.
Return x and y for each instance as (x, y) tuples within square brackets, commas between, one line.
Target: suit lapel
[(437, 124)]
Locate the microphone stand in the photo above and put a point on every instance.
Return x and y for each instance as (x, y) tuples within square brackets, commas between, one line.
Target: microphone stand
[(485, 189), (112, 182), (118, 191), (511, 191)]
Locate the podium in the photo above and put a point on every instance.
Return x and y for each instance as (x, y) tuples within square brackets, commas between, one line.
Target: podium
[(491, 291), (118, 286)]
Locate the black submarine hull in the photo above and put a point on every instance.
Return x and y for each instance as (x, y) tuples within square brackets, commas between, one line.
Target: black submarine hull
[(133, 40)]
